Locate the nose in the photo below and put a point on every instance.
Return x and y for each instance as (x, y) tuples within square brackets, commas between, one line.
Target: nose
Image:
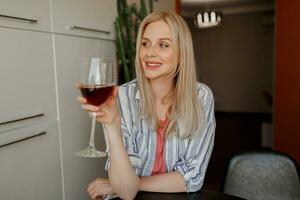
[(151, 51)]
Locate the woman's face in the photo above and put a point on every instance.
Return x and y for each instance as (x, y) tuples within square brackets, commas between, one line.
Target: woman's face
[(156, 51)]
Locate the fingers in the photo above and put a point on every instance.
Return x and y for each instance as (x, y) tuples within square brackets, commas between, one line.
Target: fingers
[(104, 120), (81, 99), (92, 191), (94, 195), (100, 114), (106, 112), (90, 187), (97, 181), (90, 108), (78, 85), (85, 106), (113, 97), (95, 188), (115, 91), (100, 117)]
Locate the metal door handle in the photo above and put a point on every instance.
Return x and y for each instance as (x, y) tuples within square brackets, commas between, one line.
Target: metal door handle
[(26, 138), (32, 21), (89, 29), (21, 119)]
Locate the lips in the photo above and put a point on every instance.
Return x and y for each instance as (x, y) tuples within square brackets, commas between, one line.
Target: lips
[(153, 65)]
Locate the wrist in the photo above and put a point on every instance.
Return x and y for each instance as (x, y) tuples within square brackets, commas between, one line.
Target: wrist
[(115, 125)]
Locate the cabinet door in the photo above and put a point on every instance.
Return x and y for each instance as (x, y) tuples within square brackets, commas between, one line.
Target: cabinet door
[(27, 81), (93, 18), (25, 14), (75, 123), (30, 169)]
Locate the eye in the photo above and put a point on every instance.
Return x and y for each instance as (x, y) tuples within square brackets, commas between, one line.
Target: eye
[(164, 45), (144, 44)]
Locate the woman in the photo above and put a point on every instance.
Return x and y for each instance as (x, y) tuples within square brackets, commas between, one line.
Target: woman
[(161, 125)]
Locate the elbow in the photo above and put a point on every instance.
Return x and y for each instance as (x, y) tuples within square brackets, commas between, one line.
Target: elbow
[(194, 187), (128, 196), (129, 192), (192, 183)]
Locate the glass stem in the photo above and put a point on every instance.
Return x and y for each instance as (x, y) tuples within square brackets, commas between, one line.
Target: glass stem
[(92, 136)]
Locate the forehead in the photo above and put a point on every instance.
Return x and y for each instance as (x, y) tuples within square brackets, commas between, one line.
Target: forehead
[(156, 30)]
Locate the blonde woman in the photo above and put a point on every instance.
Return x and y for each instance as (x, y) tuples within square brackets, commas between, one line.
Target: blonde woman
[(161, 125)]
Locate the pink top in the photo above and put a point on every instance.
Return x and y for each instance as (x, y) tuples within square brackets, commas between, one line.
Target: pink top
[(160, 163)]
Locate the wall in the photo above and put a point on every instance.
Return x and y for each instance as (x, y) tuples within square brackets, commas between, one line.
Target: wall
[(287, 97), (236, 61), (158, 5), (164, 5)]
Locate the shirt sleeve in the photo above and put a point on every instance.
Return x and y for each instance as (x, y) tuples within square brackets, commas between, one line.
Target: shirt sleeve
[(128, 140), (194, 163)]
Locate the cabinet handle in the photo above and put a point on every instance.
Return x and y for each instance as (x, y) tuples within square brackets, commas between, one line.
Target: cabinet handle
[(89, 29), (21, 119), (33, 21), (26, 138)]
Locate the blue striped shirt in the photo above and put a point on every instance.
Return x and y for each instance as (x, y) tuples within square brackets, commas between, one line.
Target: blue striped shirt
[(188, 156)]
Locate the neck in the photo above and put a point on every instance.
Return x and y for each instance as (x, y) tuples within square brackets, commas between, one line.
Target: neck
[(161, 88)]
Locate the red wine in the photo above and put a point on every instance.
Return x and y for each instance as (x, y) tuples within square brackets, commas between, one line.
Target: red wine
[(96, 95)]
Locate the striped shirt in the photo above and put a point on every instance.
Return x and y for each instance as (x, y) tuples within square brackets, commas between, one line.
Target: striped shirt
[(189, 156)]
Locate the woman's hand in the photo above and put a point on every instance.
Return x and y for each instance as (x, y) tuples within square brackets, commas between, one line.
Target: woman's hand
[(108, 112), (99, 187)]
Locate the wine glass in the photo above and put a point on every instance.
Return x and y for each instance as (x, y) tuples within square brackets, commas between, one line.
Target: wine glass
[(97, 81)]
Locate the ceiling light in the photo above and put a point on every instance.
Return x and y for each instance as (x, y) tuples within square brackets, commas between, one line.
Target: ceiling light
[(207, 19)]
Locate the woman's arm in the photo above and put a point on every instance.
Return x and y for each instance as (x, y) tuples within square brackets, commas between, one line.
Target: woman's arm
[(193, 165), (167, 182), (121, 173), (122, 176)]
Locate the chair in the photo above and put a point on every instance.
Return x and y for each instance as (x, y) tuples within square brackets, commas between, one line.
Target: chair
[(263, 175)]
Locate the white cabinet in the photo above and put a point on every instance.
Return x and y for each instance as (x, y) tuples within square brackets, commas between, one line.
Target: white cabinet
[(30, 161), (30, 169), (27, 81), (75, 123), (41, 123), (92, 18), (25, 14)]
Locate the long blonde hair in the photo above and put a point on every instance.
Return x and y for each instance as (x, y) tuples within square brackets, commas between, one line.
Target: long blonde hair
[(186, 108)]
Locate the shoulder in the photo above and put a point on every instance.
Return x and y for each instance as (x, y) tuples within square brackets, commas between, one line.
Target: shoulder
[(127, 103), (204, 94), (128, 89), (129, 85)]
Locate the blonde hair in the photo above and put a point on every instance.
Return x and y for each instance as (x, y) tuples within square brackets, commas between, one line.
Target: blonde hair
[(186, 107)]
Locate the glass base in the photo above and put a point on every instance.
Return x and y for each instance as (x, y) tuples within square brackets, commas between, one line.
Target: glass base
[(91, 152)]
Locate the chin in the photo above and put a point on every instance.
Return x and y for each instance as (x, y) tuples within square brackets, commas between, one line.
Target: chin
[(150, 76)]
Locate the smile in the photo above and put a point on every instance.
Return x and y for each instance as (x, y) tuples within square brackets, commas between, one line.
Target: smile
[(152, 65)]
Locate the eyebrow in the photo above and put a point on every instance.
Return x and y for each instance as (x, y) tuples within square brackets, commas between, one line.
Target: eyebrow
[(144, 38)]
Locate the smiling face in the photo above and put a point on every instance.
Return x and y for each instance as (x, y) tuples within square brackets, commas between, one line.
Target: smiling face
[(156, 52)]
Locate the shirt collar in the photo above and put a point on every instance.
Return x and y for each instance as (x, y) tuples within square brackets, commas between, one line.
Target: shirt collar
[(138, 95)]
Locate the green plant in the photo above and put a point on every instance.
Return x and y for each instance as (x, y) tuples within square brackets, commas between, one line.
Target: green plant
[(126, 27)]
